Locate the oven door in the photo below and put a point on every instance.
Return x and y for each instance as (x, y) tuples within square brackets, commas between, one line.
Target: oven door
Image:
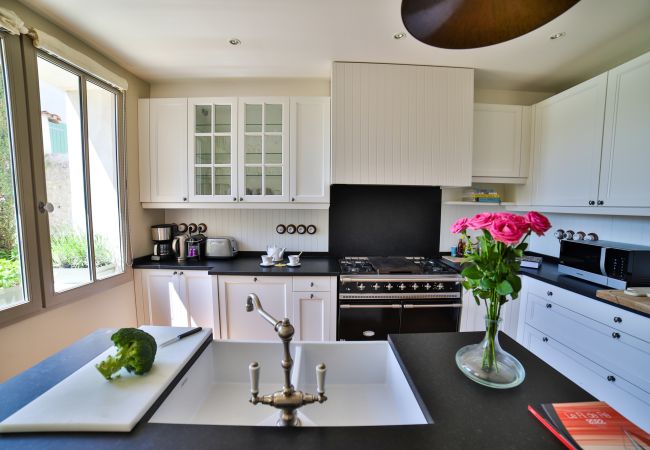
[(368, 321), (430, 317)]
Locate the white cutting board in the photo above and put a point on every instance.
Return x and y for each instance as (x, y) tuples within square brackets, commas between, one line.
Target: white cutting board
[(86, 401)]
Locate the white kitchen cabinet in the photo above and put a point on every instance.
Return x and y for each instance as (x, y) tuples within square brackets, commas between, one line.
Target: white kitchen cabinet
[(311, 316), (625, 165), (212, 144), (310, 149), (602, 348), (263, 149), (236, 323), (567, 145), (401, 124), (500, 143), (163, 149), (175, 298)]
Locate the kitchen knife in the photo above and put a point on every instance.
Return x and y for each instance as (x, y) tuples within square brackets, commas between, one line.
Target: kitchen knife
[(181, 336)]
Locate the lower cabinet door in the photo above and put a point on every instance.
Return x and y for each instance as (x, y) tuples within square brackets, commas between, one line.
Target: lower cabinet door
[(164, 303), (368, 322), (196, 289), (311, 316)]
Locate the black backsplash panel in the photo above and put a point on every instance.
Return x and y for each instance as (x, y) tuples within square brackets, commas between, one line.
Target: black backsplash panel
[(384, 220)]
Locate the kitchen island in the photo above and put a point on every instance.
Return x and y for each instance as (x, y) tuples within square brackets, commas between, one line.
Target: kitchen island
[(465, 415)]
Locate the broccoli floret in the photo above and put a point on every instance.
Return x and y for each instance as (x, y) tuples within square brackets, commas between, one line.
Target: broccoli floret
[(136, 351)]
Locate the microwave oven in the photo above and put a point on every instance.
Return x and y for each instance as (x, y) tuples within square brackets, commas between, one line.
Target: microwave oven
[(611, 264)]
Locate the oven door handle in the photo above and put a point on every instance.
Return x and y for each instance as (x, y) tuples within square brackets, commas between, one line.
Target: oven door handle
[(394, 306), (454, 305)]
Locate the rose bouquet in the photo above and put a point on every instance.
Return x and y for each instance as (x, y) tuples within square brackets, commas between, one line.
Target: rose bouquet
[(492, 265)]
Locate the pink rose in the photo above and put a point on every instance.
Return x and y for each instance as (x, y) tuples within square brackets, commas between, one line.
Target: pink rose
[(539, 223), (459, 226), (517, 220), (506, 230), (480, 221)]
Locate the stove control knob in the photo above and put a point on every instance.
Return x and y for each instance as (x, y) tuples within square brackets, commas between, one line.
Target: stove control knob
[(402, 286), (361, 286), (389, 286), (427, 286), (440, 286), (376, 286), (415, 286)]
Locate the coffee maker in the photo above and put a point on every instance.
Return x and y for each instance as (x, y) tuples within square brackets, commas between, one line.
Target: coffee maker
[(162, 241)]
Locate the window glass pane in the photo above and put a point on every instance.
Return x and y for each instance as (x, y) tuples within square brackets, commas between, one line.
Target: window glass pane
[(272, 149), (273, 118), (273, 180), (222, 118), (253, 149), (203, 180), (104, 182), (64, 175), (12, 279), (222, 149), (222, 181), (253, 180), (253, 118), (202, 115), (202, 150)]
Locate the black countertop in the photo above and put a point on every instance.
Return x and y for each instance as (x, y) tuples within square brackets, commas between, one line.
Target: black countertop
[(465, 414)]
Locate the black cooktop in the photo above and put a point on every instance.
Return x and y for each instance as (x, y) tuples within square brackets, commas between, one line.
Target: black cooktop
[(393, 265)]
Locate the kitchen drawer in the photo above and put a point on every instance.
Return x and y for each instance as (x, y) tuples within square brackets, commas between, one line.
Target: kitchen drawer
[(619, 352), (311, 284), (603, 384), (613, 316)]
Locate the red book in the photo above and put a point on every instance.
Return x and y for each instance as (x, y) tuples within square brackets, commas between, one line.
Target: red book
[(591, 426)]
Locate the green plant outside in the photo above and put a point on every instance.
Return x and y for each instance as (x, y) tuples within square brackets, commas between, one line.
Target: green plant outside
[(69, 251), (9, 269)]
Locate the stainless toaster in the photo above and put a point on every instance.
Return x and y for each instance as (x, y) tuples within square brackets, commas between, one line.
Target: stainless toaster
[(221, 247)]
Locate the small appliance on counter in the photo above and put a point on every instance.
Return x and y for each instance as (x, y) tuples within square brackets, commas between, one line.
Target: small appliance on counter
[(179, 246), (607, 263), (222, 247), (196, 243), (162, 235)]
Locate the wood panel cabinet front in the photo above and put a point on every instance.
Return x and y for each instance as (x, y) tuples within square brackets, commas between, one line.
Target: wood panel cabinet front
[(401, 124)]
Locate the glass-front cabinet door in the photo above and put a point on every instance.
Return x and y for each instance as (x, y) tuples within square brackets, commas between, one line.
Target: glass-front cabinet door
[(264, 149), (212, 156)]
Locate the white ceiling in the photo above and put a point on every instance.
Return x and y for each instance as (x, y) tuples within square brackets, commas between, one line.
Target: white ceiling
[(178, 39)]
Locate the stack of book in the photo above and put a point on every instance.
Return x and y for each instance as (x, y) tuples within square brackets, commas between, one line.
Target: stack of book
[(484, 196)]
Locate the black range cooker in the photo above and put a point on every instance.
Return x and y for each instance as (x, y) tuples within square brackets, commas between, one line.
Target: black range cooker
[(378, 296)]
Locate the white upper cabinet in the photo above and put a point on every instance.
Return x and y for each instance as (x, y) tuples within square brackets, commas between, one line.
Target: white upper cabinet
[(567, 145), (264, 149), (310, 149), (500, 142), (625, 166), (163, 157), (401, 124), (212, 144)]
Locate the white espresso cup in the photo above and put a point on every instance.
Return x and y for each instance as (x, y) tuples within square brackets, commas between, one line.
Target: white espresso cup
[(294, 260), (267, 259)]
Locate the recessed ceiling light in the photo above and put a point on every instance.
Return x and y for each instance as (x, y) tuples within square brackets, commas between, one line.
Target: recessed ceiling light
[(399, 35), (557, 36), (234, 41)]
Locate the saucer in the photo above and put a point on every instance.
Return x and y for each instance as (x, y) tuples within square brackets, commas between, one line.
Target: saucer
[(267, 265), (293, 265)]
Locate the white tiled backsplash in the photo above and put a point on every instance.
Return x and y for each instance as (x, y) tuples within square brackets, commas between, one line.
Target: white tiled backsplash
[(255, 229)]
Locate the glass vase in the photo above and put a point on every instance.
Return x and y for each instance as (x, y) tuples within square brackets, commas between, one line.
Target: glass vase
[(487, 363)]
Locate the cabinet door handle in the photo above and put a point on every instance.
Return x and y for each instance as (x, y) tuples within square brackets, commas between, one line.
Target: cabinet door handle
[(592, 203), (549, 293), (611, 378), (311, 284), (175, 273), (544, 339), (616, 335), (617, 319), (184, 199), (234, 199), (311, 295), (600, 202), (180, 273), (293, 199), (254, 279), (241, 199), (549, 306)]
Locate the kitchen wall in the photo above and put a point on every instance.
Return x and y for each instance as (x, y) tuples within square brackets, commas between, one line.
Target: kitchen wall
[(25, 343), (241, 87)]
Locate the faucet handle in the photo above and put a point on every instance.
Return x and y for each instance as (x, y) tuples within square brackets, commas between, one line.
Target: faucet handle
[(321, 370), (254, 372)]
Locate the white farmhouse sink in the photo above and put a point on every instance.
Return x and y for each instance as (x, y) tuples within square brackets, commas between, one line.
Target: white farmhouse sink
[(365, 386)]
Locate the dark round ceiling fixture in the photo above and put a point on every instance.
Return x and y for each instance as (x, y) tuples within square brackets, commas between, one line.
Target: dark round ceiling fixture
[(463, 24)]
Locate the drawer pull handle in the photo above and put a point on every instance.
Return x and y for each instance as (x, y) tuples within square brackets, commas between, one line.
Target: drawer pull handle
[(617, 319), (611, 378), (311, 295), (549, 293), (311, 284), (549, 306), (175, 273), (544, 339), (254, 279), (368, 333), (616, 335)]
